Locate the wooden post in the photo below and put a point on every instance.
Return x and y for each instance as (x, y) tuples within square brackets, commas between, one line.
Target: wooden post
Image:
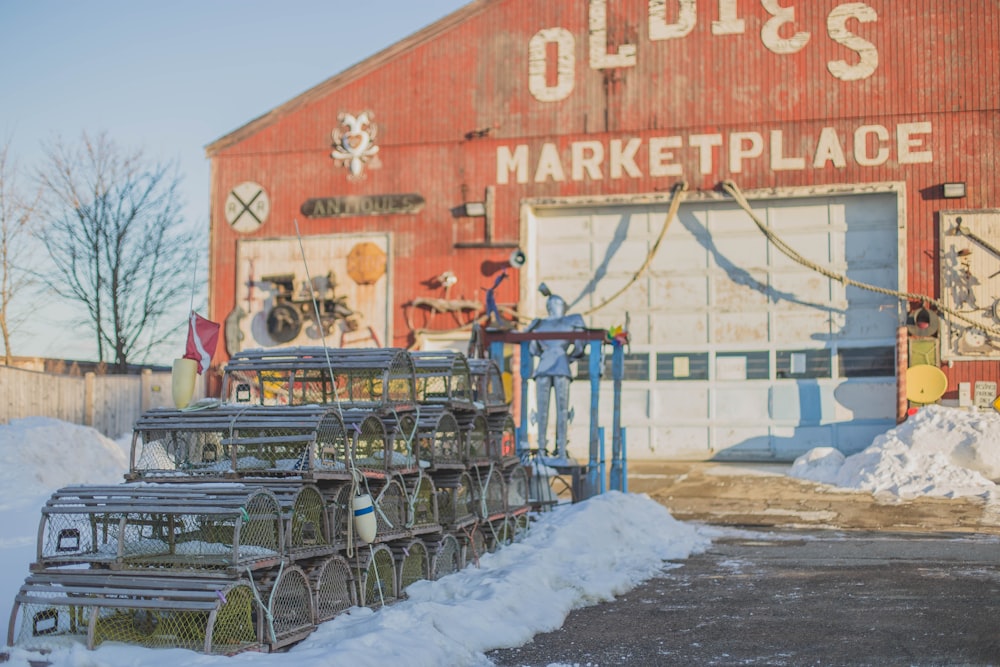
[(88, 398), (902, 364), (145, 390)]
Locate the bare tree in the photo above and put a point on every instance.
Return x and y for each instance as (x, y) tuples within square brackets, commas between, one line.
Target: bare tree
[(15, 277), (113, 228)]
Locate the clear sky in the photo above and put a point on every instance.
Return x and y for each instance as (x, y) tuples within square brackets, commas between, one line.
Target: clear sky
[(169, 78)]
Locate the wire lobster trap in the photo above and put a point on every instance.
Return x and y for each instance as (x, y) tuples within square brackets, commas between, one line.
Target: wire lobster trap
[(522, 525), (334, 587), (391, 506), (380, 379), (518, 498), (473, 544), (402, 433), (503, 439), (370, 452), (455, 502), (412, 563), (446, 555), (307, 532), (287, 600), (179, 526), (488, 390), (498, 533), (439, 441), (489, 493), (422, 511), (232, 441), (443, 379), (375, 573), (476, 432), (89, 607)]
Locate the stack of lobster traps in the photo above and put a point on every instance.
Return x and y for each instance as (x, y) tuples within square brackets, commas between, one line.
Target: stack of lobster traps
[(234, 529)]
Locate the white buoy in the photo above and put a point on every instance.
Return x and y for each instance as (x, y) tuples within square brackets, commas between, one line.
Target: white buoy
[(364, 517), (182, 381)]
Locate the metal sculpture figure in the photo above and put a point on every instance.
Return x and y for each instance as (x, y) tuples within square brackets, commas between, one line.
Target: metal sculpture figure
[(553, 371)]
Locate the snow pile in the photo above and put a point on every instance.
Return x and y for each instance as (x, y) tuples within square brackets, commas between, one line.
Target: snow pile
[(41, 454), (939, 451)]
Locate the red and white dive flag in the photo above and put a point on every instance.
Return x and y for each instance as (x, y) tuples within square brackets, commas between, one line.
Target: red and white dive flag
[(203, 337)]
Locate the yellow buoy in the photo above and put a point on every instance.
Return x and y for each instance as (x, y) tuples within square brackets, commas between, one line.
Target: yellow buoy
[(182, 381), (925, 383)]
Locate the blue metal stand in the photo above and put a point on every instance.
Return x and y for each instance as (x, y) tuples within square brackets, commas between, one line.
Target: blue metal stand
[(591, 479), (617, 481), (594, 478)]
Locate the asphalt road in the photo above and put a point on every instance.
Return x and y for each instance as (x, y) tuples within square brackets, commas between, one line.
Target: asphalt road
[(797, 597)]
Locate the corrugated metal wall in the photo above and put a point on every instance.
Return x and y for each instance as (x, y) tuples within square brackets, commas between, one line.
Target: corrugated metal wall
[(767, 94)]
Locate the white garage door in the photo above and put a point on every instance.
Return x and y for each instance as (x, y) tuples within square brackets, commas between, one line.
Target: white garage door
[(737, 351)]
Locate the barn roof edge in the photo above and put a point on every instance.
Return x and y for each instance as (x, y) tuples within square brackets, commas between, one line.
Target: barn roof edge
[(354, 71)]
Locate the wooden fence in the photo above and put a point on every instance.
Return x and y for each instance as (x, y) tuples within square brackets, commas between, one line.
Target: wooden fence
[(109, 403)]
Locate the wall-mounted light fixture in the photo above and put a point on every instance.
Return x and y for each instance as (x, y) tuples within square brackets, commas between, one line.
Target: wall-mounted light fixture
[(475, 209), (953, 190)]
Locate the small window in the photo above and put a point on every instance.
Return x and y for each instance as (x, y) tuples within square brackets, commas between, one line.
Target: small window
[(636, 368), (682, 366), (858, 362), (753, 365), (803, 364)]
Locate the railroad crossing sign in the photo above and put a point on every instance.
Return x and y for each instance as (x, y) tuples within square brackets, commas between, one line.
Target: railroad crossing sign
[(247, 207)]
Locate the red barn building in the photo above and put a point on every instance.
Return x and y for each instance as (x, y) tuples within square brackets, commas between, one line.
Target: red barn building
[(790, 203)]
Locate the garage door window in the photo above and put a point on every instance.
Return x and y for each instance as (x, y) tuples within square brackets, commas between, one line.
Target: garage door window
[(681, 366), (636, 367), (743, 365), (856, 362), (803, 364)]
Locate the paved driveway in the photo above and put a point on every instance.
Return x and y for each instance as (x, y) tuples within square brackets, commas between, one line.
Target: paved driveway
[(797, 597), (798, 574)]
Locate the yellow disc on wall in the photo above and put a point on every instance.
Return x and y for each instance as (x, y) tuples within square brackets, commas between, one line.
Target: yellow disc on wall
[(925, 383)]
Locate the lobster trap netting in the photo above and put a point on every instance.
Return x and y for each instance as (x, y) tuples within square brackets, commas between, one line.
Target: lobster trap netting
[(376, 577), (174, 452), (275, 449), (503, 439), (443, 378), (391, 511), (487, 385), (446, 556), (516, 486), (439, 439), (455, 503), (422, 503), (304, 510), (369, 442), (498, 533), (414, 563), (221, 441), (473, 542), (153, 526), (522, 524), (332, 448), (402, 431), (489, 492), (301, 375), (210, 616), (339, 511), (477, 438), (334, 588), (289, 614)]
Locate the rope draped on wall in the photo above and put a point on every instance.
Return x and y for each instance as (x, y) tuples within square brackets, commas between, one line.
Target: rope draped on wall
[(734, 191)]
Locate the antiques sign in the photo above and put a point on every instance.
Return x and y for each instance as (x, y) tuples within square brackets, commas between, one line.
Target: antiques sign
[(338, 207)]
